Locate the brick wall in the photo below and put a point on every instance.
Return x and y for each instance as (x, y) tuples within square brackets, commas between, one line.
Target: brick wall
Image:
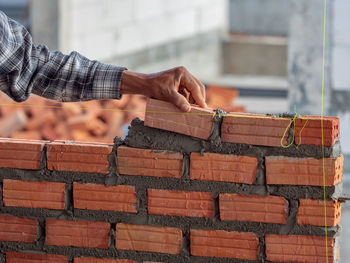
[(232, 195)]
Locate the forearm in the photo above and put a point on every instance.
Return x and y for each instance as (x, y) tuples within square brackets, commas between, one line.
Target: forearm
[(134, 83)]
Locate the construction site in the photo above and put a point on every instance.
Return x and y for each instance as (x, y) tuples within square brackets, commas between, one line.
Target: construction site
[(259, 171)]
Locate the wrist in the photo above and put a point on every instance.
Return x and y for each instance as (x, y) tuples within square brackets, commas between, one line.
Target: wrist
[(133, 83)]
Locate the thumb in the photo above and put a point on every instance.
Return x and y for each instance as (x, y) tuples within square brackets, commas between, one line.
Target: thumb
[(180, 101)]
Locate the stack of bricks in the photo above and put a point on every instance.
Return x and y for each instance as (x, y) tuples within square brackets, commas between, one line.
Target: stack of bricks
[(42, 119), (196, 187)]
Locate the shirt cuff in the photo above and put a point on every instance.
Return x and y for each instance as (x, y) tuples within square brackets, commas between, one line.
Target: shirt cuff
[(107, 81)]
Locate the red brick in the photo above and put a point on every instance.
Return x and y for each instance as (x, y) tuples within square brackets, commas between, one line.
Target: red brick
[(308, 130), (102, 260), (180, 203), (48, 195), (77, 233), (220, 96), (78, 157), (255, 129), (13, 123), (100, 197), (311, 212), (136, 108), (14, 257), (135, 161), (17, 229), (148, 238), (47, 117), (72, 109), (28, 135), (303, 171), (164, 115), (224, 244), (223, 167), (49, 133), (296, 248), (253, 208), (21, 154)]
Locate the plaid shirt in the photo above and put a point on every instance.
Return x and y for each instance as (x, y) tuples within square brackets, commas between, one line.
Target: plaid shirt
[(25, 69)]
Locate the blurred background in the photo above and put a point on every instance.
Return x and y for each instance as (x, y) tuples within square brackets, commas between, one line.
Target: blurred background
[(260, 56)]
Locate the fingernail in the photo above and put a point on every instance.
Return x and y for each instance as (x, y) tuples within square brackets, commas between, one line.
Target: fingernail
[(205, 105), (186, 107)]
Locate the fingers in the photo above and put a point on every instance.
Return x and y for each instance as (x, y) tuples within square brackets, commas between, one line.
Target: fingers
[(180, 101), (201, 86), (191, 100), (185, 93), (197, 91)]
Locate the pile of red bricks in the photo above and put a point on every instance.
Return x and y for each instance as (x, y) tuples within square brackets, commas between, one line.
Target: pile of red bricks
[(176, 190), (42, 119)]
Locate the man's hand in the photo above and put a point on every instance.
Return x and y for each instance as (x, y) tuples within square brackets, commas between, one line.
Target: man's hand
[(176, 85)]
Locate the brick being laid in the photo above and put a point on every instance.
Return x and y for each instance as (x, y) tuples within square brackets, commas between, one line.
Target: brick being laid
[(298, 248), (100, 197), (18, 229), (224, 244), (308, 130), (164, 115), (266, 209), (21, 154), (50, 195), (148, 238), (77, 233), (312, 212), (16, 257), (78, 157), (180, 203), (255, 129), (223, 167), (146, 162), (303, 171)]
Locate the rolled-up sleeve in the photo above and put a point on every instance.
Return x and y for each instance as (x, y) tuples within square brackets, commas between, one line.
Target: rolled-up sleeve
[(26, 68)]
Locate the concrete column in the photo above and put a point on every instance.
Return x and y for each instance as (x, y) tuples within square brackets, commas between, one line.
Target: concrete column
[(65, 24), (44, 22), (305, 56)]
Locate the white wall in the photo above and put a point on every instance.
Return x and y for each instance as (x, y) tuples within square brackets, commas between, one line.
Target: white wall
[(341, 49), (101, 29)]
